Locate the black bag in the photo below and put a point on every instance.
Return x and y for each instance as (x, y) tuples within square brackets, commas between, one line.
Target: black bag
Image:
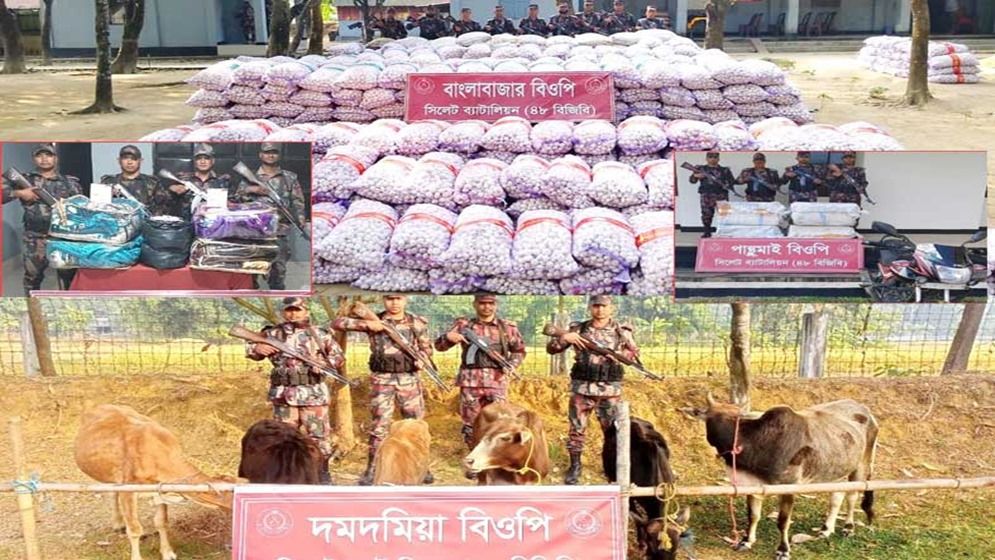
[(167, 233), (163, 259)]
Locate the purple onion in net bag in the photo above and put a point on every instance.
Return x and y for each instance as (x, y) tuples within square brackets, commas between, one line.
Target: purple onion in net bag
[(307, 98), (641, 135), (376, 98), (207, 98), (481, 242), (677, 96), (328, 273), (519, 207), (604, 238), (361, 76), (617, 185), (245, 95), (552, 137), (433, 177), (322, 80), (420, 138), (524, 177), (250, 111), (294, 133), (421, 237), (233, 131), (393, 279), (337, 173), (392, 111), (387, 180), (594, 137), (441, 281), (333, 134), (595, 281), (463, 137), (216, 77), (169, 134), (688, 135), (479, 182), (542, 248), (362, 237), (568, 182), (734, 136), (655, 241), (315, 115), (518, 286), (508, 134), (208, 115)]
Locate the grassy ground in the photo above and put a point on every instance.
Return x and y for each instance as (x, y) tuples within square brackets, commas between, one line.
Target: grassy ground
[(931, 427)]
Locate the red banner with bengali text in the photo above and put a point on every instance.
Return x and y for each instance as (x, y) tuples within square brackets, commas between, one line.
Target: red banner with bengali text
[(783, 255), (565, 96)]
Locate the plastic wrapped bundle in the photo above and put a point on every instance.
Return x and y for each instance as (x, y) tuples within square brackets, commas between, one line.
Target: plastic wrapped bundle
[(246, 257), (328, 273), (162, 259), (737, 231), (641, 135), (519, 207), (393, 279), (479, 182), (604, 238), (387, 180), (595, 281), (688, 135), (525, 177), (823, 232), (81, 219), (659, 178), (594, 137), (241, 221), (655, 241), (463, 137), (168, 233), (542, 248), (481, 243), (552, 137), (733, 136), (825, 214), (568, 182), (421, 237), (750, 213), (419, 138), (362, 238), (518, 286), (441, 281), (333, 134), (62, 254), (508, 134), (216, 77), (617, 185)]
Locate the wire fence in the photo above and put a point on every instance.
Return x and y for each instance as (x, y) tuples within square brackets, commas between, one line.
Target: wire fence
[(123, 336)]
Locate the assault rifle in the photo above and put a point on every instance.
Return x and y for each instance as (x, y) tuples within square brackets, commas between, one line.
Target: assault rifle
[(198, 193), (20, 182), (754, 177), (238, 331), (704, 169), (477, 343), (602, 350), (365, 313), (119, 189), (249, 176), (852, 183)]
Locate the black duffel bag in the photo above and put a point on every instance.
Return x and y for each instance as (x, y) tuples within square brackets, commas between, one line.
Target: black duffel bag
[(168, 233), (163, 259)]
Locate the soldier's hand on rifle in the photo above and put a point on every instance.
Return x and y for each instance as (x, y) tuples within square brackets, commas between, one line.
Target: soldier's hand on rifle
[(178, 188), (265, 350), (789, 173), (573, 339), (255, 189), (376, 326), (455, 337), (26, 195), (698, 175)]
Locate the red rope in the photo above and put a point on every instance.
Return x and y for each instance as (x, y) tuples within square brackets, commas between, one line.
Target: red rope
[(735, 482)]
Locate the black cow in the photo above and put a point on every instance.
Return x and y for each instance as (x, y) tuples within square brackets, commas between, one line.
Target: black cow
[(649, 460), (277, 453)]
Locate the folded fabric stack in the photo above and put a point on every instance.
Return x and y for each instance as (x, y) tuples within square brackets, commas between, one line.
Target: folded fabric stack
[(245, 257), (824, 219), (750, 219), (948, 63), (91, 235), (239, 238)]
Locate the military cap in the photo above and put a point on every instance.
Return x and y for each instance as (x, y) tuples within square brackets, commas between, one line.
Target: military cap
[(289, 302), (44, 147), (393, 295), (849, 154), (269, 147), (599, 300), (465, 10), (759, 157), (619, 2), (484, 298), (712, 154), (203, 150), (804, 153), (536, 6), (130, 150)]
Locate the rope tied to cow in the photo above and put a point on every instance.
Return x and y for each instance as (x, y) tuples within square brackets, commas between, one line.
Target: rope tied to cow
[(736, 450), (666, 492), (525, 468)]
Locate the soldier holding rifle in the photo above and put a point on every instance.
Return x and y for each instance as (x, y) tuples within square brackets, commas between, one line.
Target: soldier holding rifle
[(564, 23), (716, 182), (761, 182), (500, 24), (202, 178), (297, 389), (393, 367), (847, 183), (492, 349), (143, 188), (803, 179), (596, 377), (32, 189)]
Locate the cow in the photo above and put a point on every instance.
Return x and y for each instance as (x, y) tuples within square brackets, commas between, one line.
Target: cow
[(115, 444), (649, 460), (823, 443), (275, 452), (403, 458), (508, 447)]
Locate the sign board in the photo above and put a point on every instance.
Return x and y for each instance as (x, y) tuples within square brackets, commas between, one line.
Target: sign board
[(782, 255), (564, 96), (278, 522)]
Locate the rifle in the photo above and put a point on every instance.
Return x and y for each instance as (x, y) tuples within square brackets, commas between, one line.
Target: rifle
[(20, 182), (124, 192), (756, 178), (249, 176), (238, 331), (478, 343), (703, 169), (852, 183), (361, 311), (600, 349), (198, 193)]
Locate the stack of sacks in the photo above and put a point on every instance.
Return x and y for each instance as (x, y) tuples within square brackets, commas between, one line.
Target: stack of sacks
[(358, 244), (750, 219), (784, 135), (824, 219), (949, 63), (86, 234), (239, 238), (655, 241)]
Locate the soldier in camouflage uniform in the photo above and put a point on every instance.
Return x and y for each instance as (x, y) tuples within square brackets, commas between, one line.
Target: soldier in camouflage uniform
[(393, 374), (803, 179), (288, 188), (390, 28), (500, 24), (564, 23), (590, 20), (714, 187), (431, 26), (595, 381), (202, 176), (841, 189), (145, 188), (297, 391), (465, 23), (38, 215), (481, 381), (246, 17), (653, 22), (761, 182), (533, 24), (618, 20)]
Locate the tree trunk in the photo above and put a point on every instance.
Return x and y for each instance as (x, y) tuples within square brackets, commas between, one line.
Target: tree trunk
[(127, 56), (917, 90), (279, 29), (959, 354), (716, 25), (39, 330), (739, 356), (316, 44), (46, 32), (344, 436), (13, 46), (105, 95)]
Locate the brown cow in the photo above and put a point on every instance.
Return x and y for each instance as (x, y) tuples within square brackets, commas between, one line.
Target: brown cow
[(275, 452), (823, 443), (403, 458), (509, 446), (117, 445)]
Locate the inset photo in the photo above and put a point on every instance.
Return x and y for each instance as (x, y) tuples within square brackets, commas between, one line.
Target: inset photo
[(847, 226), (130, 218)]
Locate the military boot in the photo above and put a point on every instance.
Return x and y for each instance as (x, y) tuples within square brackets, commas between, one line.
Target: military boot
[(429, 478), (324, 474), (367, 478), (573, 473)]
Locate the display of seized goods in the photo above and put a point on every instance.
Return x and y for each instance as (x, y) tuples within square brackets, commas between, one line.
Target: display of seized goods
[(241, 221), (166, 242), (245, 257), (947, 63), (78, 218), (362, 237), (64, 254), (825, 214), (750, 214)]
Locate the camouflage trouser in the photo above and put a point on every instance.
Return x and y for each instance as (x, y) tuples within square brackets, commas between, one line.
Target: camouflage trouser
[(580, 408), (382, 398), (751, 197), (36, 263), (249, 30), (837, 196), (471, 400), (804, 196), (708, 202), (312, 420), (278, 270)]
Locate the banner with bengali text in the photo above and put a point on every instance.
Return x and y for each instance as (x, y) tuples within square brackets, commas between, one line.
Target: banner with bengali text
[(783, 255)]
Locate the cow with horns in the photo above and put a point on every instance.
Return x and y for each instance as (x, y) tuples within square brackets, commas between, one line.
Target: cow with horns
[(508, 446), (823, 443)]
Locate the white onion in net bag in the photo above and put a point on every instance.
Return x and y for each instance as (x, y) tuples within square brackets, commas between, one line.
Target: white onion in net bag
[(362, 237), (441, 281), (689, 135), (508, 134), (720, 115), (552, 137), (333, 134), (677, 96), (764, 72), (363, 76), (594, 137), (339, 170), (393, 279), (481, 243), (568, 182), (419, 138), (733, 136), (463, 137), (604, 238), (352, 114), (209, 115), (471, 67), (479, 182), (542, 248), (525, 177), (641, 135), (595, 281), (233, 131), (696, 77), (505, 157), (380, 135), (454, 51), (655, 241), (421, 237), (654, 74), (387, 180), (617, 185), (329, 273)]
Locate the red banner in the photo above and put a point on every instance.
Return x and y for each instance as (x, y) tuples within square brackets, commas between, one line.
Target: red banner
[(786, 255), (565, 96), (455, 523)]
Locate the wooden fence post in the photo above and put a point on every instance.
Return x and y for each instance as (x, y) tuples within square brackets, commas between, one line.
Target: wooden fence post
[(25, 500), (29, 355), (39, 331), (812, 351), (622, 462)]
